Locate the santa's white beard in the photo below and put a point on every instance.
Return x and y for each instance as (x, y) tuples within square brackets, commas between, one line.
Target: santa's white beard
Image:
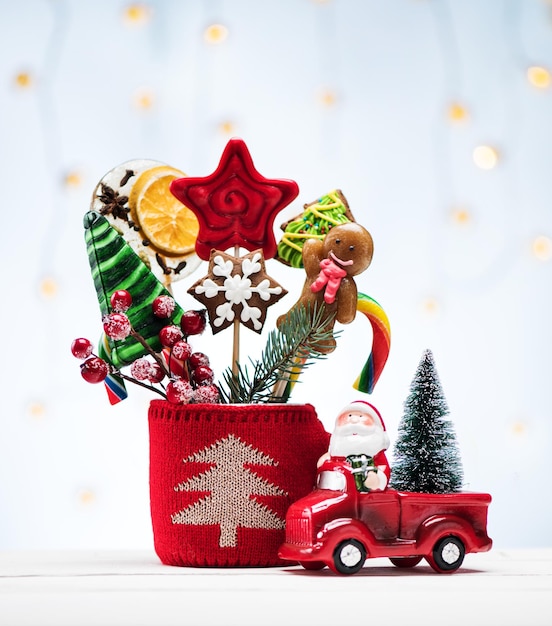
[(358, 439)]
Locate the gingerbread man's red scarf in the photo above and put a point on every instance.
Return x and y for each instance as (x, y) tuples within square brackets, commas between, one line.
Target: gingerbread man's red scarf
[(330, 277)]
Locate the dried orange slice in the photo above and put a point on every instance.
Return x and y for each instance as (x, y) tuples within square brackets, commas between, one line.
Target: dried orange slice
[(167, 224)]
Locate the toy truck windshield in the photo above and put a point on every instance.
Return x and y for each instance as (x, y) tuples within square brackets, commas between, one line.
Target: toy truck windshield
[(334, 481)]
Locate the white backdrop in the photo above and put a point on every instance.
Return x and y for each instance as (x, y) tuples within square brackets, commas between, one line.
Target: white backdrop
[(387, 100)]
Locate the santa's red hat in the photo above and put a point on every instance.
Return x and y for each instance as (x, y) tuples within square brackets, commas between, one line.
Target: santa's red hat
[(361, 406)]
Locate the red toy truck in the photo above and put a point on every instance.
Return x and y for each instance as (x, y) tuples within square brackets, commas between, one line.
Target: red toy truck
[(340, 527)]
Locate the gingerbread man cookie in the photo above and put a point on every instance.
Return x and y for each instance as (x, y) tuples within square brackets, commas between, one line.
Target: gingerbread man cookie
[(330, 265)]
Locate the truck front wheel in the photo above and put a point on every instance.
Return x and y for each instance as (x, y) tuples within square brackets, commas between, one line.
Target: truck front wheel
[(448, 554), (349, 556)]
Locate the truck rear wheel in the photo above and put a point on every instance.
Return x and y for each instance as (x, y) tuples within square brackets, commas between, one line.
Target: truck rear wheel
[(405, 561), (349, 556), (448, 555)]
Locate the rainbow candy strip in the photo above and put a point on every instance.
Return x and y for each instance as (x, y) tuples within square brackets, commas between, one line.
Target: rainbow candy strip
[(114, 385), (381, 343)]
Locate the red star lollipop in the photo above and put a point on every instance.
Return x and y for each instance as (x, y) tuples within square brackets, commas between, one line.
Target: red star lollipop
[(235, 206)]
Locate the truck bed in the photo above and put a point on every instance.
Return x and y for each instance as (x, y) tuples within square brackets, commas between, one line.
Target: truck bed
[(417, 507)]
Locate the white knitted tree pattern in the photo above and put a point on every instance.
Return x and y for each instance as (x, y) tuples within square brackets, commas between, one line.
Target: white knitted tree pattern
[(232, 488)]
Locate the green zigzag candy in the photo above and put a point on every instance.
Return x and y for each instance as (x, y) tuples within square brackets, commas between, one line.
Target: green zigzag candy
[(314, 223), (115, 265)]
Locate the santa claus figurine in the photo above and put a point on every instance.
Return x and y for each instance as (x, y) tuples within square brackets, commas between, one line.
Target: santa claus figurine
[(360, 438)]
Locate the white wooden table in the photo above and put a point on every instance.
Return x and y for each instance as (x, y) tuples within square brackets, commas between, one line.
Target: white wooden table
[(502, 588)]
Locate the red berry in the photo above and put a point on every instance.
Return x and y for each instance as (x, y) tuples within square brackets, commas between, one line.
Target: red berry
[(156, 374), (181, 350), (197, 359), (141, 369), (179, 391), (203, 375), (193, 322), (116, 326), (163, 306), (206, 394), (81, 348), (94, 370), (170, 335), (120, 301)]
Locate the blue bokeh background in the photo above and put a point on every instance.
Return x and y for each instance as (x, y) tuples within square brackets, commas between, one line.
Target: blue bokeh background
[(384, 99)]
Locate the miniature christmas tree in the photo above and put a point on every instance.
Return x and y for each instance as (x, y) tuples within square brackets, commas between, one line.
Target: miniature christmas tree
[(426, 456), (232, 488)]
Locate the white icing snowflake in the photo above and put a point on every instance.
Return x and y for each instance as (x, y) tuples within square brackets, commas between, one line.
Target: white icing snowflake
[(237, 286)]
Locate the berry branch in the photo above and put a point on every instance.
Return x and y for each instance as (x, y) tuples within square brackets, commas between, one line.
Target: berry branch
[(141, 384), (189, 374), (136, 336)]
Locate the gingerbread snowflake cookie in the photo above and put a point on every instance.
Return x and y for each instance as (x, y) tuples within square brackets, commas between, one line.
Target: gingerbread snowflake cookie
[(237, 288)]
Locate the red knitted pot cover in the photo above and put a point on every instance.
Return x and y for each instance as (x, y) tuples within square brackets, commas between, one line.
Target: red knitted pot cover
[(223, 476)]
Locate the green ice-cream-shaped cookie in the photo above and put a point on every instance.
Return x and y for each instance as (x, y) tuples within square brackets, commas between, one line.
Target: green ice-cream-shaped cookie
[(114, 266)]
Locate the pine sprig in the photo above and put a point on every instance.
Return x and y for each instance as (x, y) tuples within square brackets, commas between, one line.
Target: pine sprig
[(289, 350)]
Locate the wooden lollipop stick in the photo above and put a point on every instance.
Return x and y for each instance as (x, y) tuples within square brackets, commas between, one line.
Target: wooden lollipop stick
[(236, 338), (283, 388)]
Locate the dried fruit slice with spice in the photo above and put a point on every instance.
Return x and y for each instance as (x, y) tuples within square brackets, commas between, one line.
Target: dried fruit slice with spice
[(168, 225), (110, 199)]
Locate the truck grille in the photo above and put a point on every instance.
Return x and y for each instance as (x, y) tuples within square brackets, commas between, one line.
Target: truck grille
[(298, 531)]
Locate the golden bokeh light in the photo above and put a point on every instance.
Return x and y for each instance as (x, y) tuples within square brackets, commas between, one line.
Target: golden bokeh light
[(48, 287), (36, 410), (430, 306), (137, 14), (539, 77), (215, 34), (542, 248), (519, 428), (23, 80), (457, 112), (72, 179), (461, 216), (144, 100), (327, 98), (86, 497), (227, 128), (485, 157)]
